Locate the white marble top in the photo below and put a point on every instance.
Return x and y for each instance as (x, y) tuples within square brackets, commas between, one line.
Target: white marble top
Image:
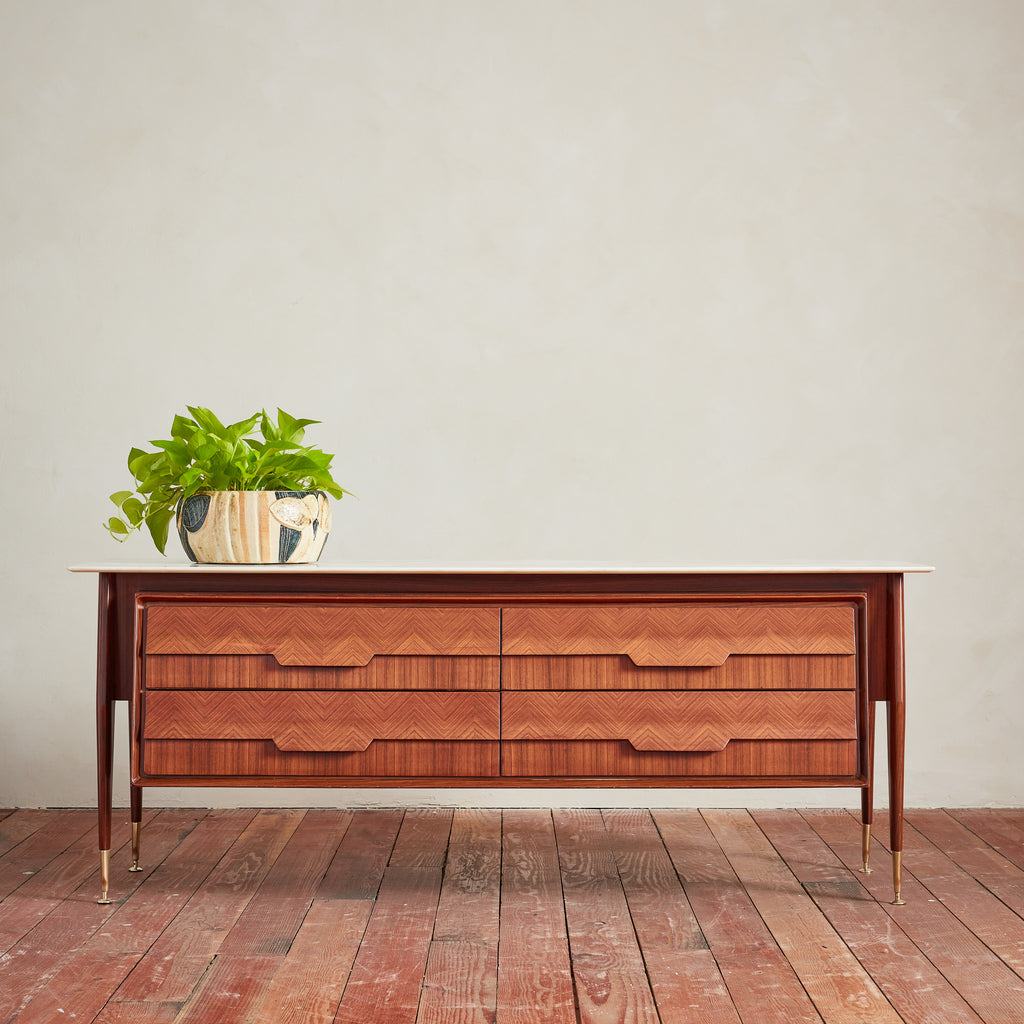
[(172, 565)]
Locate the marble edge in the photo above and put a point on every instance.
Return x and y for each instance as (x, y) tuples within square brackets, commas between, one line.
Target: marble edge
[(582, 568)]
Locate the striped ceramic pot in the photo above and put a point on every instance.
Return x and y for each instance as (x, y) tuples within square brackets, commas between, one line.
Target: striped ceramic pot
[(256, 527)]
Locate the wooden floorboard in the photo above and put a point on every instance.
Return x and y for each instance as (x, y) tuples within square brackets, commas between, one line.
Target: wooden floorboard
[(432, 916)]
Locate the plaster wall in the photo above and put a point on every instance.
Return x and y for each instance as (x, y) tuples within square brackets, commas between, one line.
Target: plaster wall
[(657, 281)]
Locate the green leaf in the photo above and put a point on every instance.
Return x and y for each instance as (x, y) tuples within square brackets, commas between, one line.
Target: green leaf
[(118, 497), (134, 456), (292, 428), (134, 511), (182, 427), (118, 528), (207, 420), (175, 448), (159, 525), (236, 431)]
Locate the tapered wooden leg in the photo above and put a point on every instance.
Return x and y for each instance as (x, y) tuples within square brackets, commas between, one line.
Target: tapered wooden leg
[(867, 795), (136, 799), (897, 727), (105, 768), (104, 734), (896, 720)]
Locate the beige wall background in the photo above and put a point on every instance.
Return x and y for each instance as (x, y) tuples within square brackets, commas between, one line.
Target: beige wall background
[(652, 281)]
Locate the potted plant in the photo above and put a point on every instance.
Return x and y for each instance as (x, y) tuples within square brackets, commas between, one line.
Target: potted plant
[(235, 496)]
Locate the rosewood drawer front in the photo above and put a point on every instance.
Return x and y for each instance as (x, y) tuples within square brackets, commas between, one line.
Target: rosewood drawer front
[(781, 733), (759, 688), (687, 635), (752, 646), (247, 733), (207, 645), (679, 721)]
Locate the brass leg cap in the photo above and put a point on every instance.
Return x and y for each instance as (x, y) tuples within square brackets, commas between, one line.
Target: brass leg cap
[(865, 849), (897, 878), (104, 877), (136, 840)]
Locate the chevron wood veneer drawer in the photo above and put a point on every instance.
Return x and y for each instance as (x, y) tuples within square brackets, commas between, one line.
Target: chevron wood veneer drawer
[(683, 721), (319, 634), (284, 645), (683, 635), (240, 733), (780, 733)]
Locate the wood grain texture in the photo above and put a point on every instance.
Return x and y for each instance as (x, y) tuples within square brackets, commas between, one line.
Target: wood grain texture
[(684, 976), (36, 838), (763, 985), (680, 634), (739, 672), (309, 982), (256, 762), (752, 762), (262, 672), (991, 988), (840, 988), (307, 633), (137, 1013), (608, 967), (917, 991), (958, 876), (230, 990), (679, 721), (83, 982), (304, 721), (274, 914), (57, 888), (783, 911), (534, 971), (358, 866), (180, 956), (388, 972), (1001, 829), (181, 848), (460, 981), (18, 825)]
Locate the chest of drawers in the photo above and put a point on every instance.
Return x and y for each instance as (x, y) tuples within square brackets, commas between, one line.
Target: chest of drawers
[(521, 678)]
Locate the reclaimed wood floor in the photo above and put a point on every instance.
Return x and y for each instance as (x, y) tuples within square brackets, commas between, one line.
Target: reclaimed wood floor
[(517, 916)]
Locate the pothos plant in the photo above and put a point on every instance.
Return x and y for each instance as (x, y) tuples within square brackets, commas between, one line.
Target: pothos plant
[(204, 455)]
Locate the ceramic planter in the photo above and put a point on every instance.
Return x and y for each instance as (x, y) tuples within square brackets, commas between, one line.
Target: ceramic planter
[(255, 527)]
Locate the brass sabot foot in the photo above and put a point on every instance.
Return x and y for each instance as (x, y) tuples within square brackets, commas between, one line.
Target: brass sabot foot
[(104, 876), (897, 878), (865, 848), (136, 839)]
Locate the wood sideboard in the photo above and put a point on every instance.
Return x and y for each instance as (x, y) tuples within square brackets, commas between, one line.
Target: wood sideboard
[(526, 677)]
